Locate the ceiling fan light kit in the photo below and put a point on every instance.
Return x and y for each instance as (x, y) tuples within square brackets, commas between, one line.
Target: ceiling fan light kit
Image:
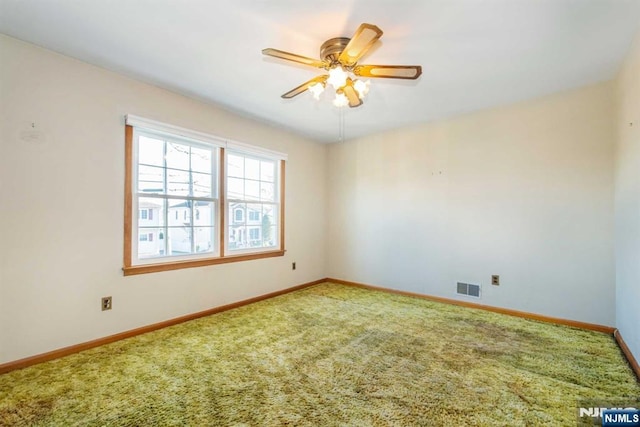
[(339, 56)]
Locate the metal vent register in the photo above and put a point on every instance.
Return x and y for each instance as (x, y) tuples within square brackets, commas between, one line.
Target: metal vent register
[(469, 289)]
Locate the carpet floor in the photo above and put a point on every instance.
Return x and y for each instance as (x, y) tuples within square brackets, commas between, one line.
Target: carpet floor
[(329, 355)]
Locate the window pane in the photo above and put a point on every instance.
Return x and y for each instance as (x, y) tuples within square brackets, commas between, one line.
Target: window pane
[(237, 237), (251, 168), (204, 214), (272, 240), (267, 171), (179, 240), (150, 151), (150, 179), (270, 212), (201, 185), (151, 212), (268, 223), (149, 242), (204, 238), (235, 166), (254, 238), (252, 225), (201, 160), (235, 188), (267, 192), (252, 190), (177, 183), (179, 213), (177, 156), (254, 213)]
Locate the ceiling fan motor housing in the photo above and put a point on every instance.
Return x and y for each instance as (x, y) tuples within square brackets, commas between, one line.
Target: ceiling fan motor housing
[(332, 48)]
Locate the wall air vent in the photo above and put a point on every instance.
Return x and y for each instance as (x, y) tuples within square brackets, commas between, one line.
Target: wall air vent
[(469, 289)]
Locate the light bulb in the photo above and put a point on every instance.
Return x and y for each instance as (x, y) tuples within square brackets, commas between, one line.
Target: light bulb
[(341, 100), (316, 90), (337, 77), (361, 87)]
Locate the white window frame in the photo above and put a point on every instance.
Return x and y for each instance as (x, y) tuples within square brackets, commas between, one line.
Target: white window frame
[(276, 204), (215, 199)]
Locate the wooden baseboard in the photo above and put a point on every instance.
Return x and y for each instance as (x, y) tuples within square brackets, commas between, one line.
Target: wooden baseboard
[(56, 354), (627, 353), (523, 314)]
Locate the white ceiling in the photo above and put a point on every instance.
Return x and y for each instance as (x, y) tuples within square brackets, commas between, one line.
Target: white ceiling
[(475, 54)]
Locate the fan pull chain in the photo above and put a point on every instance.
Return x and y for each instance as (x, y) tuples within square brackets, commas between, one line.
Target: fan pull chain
[(341, 125)]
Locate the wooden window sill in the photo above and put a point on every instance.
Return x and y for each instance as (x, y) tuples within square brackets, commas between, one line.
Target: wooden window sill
[(166, 266)]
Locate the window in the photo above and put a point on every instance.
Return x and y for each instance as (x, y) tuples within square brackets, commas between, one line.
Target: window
[(207, 201), (252, 188), (175, 175)]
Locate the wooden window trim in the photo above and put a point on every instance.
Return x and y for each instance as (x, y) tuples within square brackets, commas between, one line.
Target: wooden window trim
[(128, 196), (282, 205), (129, 269)]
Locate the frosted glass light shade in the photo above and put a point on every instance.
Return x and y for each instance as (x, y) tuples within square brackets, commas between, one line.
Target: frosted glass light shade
[(361, 87), (341, 100), (337, 77), (316, 90)]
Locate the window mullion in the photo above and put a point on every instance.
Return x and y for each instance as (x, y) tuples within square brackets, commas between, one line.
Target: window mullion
[(192, 229), (222, 197), (192, 202), (165, 202)]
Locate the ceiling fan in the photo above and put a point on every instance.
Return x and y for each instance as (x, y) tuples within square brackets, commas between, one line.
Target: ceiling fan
[(339, 56)]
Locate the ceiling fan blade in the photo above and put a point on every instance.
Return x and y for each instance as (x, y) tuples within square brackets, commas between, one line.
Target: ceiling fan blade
[(411, 72), (293, 57), (366, 35), (304, 86), (352, 95)]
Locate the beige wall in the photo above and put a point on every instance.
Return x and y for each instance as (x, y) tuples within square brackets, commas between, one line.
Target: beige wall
[(524, 191), (62, 206), (627, 200)]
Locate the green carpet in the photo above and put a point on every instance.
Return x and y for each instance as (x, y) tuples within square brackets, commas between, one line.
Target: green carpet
[(324, 356)]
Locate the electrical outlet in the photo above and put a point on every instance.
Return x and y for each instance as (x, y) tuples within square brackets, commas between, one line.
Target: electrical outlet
[(495, 280), (293, 265), (106, 303)]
